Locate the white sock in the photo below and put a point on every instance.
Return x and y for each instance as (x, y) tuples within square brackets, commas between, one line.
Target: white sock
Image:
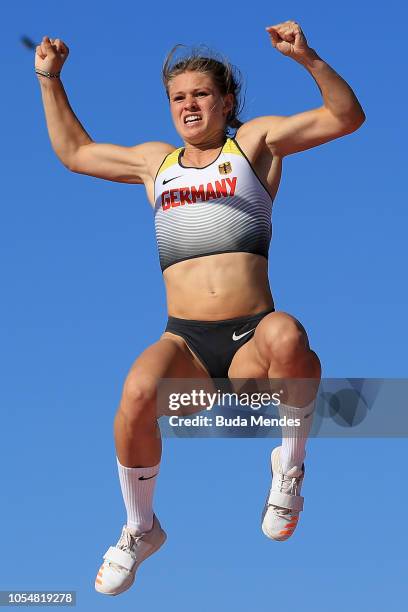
[(294, 437), (137, 486)]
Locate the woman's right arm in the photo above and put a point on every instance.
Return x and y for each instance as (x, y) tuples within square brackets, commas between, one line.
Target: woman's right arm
[(73, 146)]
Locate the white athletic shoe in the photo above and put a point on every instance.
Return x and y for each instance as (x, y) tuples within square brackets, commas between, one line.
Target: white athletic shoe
[(117, 573), (284, 502)]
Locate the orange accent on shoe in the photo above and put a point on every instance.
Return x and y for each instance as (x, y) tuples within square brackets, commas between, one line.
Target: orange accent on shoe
[(98, 581)]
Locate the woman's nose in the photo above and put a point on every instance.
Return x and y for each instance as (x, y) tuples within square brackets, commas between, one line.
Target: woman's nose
[(191, 102)]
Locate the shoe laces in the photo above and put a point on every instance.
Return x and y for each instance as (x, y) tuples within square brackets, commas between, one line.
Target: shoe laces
[(128, 542), (290, 485)]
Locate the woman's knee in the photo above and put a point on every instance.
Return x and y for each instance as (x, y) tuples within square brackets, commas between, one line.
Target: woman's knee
[(282, 337), (316, 366), (138, 402)]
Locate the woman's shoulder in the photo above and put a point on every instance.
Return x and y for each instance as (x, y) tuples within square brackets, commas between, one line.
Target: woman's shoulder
[(156, 148), (256, 128), (155, 153), (252, 136)]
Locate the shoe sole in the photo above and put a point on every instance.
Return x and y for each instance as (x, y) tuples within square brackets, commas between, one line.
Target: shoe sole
[(160, 544), (265, 510)]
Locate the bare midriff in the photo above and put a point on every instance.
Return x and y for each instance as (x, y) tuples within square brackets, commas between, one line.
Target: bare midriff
[(217, 287)]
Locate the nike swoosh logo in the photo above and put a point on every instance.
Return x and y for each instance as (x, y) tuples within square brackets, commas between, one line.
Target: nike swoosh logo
[(172, 179), (235, 337), (147, 477)]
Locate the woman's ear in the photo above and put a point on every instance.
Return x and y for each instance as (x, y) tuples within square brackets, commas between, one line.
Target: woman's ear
[(228, 103)]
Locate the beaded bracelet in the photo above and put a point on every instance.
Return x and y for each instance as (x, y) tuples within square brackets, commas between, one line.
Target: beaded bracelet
[(49, 75)]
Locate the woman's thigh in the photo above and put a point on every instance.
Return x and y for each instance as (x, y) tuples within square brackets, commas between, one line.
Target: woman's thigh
[(150, 376), (169, 357), (277, 331)]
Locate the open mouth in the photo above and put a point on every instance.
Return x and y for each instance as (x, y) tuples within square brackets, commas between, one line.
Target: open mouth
[(192, 119)]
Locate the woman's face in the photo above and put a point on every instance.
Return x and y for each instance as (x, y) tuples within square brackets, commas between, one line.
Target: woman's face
[(197, 107)]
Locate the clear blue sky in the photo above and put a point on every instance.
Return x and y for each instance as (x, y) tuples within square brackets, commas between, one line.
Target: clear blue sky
[(82, 296)]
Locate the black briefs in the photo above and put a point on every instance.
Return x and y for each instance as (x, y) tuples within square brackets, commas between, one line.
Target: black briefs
[(216, 342)]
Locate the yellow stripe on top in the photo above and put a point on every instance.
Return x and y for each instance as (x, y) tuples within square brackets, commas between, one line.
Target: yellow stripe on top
[(170, 160), (231, 148)]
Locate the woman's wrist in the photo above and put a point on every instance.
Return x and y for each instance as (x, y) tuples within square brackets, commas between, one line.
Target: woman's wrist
[(309, 59), (48, 75), (49, 83)]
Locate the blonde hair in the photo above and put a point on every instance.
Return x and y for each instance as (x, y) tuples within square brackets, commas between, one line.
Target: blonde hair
[(227, 77)]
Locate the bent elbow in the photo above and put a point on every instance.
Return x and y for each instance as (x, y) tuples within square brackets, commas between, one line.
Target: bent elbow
[(359, 120), (71, 164), (66, 160), (75, 158), (355, 122)]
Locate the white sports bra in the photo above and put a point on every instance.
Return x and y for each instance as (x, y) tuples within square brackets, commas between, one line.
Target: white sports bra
[(221, 208)]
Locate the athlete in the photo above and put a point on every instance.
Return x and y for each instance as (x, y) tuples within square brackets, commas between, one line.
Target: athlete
[(212, 202)]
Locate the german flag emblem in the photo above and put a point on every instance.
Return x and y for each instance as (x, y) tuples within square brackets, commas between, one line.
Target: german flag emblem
[(225, 168)]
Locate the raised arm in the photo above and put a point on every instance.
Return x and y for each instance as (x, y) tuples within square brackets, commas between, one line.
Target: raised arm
[(72, 144), (339, 115)]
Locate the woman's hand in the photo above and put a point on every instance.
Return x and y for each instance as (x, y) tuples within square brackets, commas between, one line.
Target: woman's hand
[(51, 54), (289, 39)]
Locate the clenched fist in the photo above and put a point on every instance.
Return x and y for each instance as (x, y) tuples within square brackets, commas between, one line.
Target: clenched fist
[(51, 54), (289, 39)]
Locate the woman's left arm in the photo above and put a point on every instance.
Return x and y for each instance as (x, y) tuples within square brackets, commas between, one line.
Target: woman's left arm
[(340, 114)]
